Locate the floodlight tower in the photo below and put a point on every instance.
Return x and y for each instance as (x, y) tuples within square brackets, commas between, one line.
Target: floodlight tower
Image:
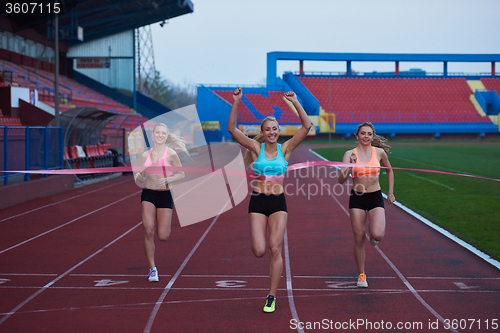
[(146, 70)]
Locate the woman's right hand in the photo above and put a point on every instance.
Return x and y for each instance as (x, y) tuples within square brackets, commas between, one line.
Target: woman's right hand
[(237, 94), (139, 177)]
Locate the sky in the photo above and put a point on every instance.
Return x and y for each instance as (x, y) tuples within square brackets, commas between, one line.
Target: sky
[(225, 42)]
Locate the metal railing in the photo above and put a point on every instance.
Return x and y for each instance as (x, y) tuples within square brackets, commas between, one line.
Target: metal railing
[(30, 148)]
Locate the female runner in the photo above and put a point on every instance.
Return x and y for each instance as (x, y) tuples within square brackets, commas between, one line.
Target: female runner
[(267, 208), (365, 198), (156, 199)]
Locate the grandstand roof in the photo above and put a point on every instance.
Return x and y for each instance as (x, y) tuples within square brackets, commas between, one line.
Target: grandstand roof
[(273, 57), (83, 125), (103, 18), (100, 18), (418, 57)]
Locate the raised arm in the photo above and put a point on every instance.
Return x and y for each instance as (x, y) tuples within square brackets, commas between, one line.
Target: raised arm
[(390, 177), (238, 135), (349, 157), (301, 134)]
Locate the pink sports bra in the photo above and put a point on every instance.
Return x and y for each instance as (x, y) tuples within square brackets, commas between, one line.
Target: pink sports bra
[(362, 172), (163, 162)]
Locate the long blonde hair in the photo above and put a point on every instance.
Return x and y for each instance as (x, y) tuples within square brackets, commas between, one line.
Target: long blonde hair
[(260, 139), (378, 141), (172, 139)]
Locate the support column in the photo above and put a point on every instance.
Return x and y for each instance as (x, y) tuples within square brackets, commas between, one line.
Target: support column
[(301, 65), (397, 67), (493, 68), (445, 68), (349, 70)]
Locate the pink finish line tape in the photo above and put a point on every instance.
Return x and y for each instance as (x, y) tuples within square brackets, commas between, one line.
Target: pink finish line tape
[(296, 166)]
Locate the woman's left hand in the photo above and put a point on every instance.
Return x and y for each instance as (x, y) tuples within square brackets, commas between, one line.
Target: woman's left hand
[(162, 183), (291, 96), (391, 198)]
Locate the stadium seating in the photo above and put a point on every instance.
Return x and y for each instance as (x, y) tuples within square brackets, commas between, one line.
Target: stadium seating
[(73, 94), (395, 100), (492, 83), (257, 106), (8, 121)]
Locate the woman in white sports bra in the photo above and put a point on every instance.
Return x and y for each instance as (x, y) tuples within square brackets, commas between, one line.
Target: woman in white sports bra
[(267, 209), (156, 199)]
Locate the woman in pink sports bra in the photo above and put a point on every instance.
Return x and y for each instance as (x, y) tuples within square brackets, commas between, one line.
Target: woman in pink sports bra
[(366, 198), (156, 199)]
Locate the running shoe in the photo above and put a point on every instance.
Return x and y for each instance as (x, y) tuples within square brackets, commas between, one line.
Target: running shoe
[(153, 275), (362, 281), (373, 242), (270, 304)]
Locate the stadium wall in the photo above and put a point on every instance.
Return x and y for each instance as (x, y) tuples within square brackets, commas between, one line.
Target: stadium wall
[(211, 107), (310, 103), (120, 49), (489, 101)]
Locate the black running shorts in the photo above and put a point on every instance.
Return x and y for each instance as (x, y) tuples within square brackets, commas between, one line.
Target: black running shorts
[(161, 199), (267, 204), (366, 201)]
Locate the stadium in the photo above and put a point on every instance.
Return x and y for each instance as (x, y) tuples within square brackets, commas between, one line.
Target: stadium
[(79, 100)]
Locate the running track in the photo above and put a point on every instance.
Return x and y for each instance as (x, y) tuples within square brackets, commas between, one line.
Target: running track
[(74, 262)]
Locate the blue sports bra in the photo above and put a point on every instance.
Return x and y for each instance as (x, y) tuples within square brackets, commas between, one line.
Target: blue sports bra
[(266, 167)]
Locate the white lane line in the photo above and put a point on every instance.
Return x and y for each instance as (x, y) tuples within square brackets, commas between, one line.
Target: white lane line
[(226, 276), (112, 275), (27, 274), (450, 278), (289, 288), (159, 302), (432, 181), (48, 285), (413, 291), (67, 223), (135, 306), (57, 203), (355, 291), (448, 234), (405, 281), (442, 231), (176, 275), (435, 166), (340, 277)]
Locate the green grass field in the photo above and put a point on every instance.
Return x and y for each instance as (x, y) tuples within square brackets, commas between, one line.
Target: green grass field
[(467, 207)]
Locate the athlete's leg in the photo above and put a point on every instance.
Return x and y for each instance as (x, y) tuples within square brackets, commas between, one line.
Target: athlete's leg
[(358, 220), (277, 227), (377, 223), (164, 217), (148, 221), (258, 226)]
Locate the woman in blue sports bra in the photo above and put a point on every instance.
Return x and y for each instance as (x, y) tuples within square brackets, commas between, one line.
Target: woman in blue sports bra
[(156, 200), (267, 209)]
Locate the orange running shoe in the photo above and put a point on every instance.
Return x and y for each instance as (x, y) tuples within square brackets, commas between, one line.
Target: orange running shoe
[(362, 280)]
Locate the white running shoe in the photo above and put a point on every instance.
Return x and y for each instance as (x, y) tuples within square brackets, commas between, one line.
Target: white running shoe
[(153, 275)]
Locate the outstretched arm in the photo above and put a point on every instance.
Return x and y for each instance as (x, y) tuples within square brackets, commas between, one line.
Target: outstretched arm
[(301, 134), (390, 177), (238, 135)]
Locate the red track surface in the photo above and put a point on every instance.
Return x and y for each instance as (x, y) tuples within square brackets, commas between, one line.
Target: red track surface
[(74, 262)]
